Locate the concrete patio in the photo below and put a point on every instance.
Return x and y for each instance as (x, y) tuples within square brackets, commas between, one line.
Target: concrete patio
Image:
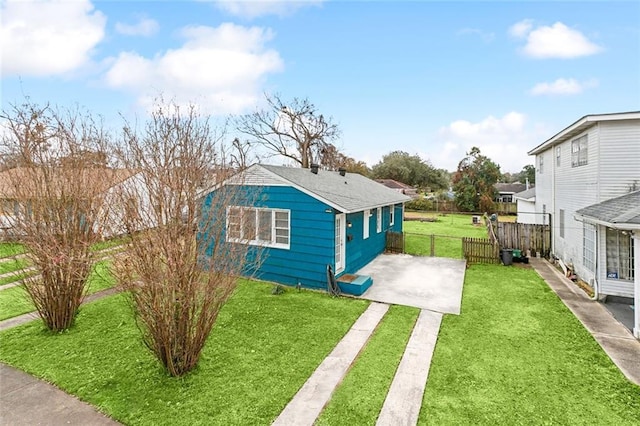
[(430, 283)]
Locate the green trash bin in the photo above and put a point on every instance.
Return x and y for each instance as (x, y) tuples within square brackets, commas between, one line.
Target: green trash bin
[(517, 253), (507, 257)]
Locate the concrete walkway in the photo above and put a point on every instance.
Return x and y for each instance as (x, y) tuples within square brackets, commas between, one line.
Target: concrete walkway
[(404, 400), (25, 400), (306, 405), (615, 338)]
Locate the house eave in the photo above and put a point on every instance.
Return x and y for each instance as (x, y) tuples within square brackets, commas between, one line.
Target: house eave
[(580, 126), (623, 226)]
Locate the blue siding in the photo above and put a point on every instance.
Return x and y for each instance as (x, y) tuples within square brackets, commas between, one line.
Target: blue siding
[(360, 251), (312, 233)]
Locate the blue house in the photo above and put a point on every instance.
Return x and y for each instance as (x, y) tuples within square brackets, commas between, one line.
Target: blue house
[(304, 220)]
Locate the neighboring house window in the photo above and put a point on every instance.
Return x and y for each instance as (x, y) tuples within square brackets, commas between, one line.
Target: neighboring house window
[(540, 164), (392, 215), (589, 246), (544, 214), (579, 152), (562, 223), (558, 160), (619, 255), (379, 220), (258, 226), (365, 227)]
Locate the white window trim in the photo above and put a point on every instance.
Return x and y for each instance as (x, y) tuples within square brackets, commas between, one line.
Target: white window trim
[(365, 224), (379, 220), (256, 242), (392, 214), (580, 151)]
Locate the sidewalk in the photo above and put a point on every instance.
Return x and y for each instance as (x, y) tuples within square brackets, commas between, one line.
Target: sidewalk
[(26, 400), (614, 338)]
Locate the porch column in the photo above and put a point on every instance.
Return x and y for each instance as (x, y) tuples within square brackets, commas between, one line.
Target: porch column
[(636, 291)]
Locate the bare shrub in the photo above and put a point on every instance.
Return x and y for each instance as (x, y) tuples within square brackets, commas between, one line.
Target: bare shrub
[(52, 186), (179, 271)]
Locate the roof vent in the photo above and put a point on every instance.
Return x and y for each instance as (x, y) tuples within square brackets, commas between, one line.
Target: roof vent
[(314, 169), (342, 171)]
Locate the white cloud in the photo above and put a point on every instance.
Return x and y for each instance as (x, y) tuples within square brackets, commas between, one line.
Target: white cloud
[(485, 36), (521, 29), (219, 68), (563, 86), (556, 41), (145, 27), (504, 140), (48, 37), (253, 8)]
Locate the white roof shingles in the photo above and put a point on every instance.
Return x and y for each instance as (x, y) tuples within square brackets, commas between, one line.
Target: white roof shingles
[(619, 210), (349, 193)]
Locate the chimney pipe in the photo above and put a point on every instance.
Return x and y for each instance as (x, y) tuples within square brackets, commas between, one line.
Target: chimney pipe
[(342, 171), (314, 169)]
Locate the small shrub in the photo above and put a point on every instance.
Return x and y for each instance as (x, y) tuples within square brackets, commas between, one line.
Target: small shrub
[(278, 289)]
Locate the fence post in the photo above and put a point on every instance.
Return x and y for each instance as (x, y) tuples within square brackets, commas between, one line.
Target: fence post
[(433, 245)]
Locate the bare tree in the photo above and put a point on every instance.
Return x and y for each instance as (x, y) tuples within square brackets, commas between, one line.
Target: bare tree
[(295, 130), (57, 194), (180, 270)]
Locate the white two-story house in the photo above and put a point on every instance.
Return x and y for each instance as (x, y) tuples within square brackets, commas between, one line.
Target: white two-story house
[(582, 173)]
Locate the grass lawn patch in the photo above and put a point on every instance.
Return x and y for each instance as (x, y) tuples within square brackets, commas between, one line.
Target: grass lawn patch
[(261, 351), (14, 301), (110, 243), (12, 265), (517, 355), (10, 249), (359, 398), (448, 231)]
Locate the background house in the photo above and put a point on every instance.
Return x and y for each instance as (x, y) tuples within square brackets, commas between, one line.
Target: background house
[(506, 191), (593, 160), (526, 207), (308, 219), (400, 187)]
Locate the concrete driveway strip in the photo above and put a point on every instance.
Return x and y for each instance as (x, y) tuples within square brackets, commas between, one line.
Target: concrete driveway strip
[(404, 400), (306, 405), (26, 400)]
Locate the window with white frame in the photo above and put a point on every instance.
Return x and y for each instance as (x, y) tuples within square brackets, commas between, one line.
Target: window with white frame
[(365, 226), (579, 152), (392, 214), (619, 248), (258, 226), (558, 159), (379, 219), (589, 246), (540, 163), (561, 223)]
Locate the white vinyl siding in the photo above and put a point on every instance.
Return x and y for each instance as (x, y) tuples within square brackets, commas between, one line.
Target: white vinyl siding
[(561, 223), (558, 158), (379, 219), (540, 164), (258, 226), (365, 224)]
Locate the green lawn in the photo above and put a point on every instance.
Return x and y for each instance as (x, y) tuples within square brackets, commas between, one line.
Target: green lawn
[(10, 249), (447, 231), (12, 265), (261, 351), (517, 355), (359, 398), (14, 301)]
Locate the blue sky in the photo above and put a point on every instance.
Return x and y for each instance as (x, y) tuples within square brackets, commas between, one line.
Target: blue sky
[(429, 78)]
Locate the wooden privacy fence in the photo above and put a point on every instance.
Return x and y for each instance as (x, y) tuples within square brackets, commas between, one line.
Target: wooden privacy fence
[(474, 250), (480, 250), (525, 236), (395, 242)]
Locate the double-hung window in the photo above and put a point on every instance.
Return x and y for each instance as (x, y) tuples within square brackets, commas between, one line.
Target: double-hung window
[(619, 255), (589, 247), (579, 152), (259, 226)]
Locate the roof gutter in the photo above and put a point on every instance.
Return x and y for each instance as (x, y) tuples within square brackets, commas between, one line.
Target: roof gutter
[(620, 226)]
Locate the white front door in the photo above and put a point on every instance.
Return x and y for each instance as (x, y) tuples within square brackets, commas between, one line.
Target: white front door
[(340, 242)]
